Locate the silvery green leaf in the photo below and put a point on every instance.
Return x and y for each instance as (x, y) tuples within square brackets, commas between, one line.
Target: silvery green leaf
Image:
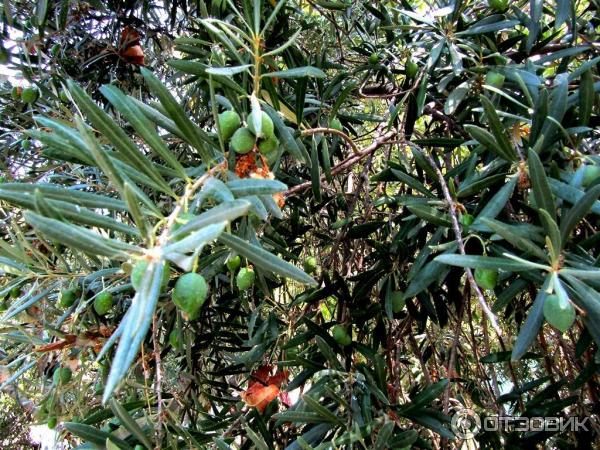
[(215, 189), (228, 71), (196, 240), (225, 212), (135, 326), (255, 186)]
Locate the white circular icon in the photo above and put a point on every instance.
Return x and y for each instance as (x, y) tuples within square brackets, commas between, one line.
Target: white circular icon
[(465, 423)]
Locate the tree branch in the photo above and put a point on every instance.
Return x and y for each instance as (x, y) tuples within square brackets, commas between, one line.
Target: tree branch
[(348, 162)]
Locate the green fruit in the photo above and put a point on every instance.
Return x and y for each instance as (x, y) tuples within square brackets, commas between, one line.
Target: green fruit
[(398, 301), (340, 335), (98, 388), (15, 93), (494, 79), (242, 141), (138, 273), (139, 447), (559, 314), (52, 421), (67, 298), (189, 294), (486, 278), (64, 97), (15, 292), (55, 49), (229, 121), (373, 59), (175, 338), (62, 375), (268, 146), (267, 127), (336, 124), (292, 353), (411, 68), (25, 144), (234, 263), (245, 278), (498, 5), (591, 174), (466, 220), (310, 264), (30, 95), (3, 306), (103, 303)]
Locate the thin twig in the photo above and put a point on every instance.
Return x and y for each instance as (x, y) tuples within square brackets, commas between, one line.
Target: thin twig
[(158, 363), (348, 162), (323, 130), (459, 240)]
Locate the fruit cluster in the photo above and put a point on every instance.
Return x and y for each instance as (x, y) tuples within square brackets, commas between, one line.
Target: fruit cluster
[(243, 140)]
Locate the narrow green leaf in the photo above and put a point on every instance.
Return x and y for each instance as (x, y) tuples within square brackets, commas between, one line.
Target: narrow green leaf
[(412, 182), (109, 166), (488, 27), (517, 241), (486, 139), (496, 204), (59, 192), (196, 240), (497, 128), (579, 210), (135, 326), (287, 138), (193, 133), (483, 262), (116, 136), (430, 215), (297, 417), (225, 212), (258, 441), (553, 234), (126, 106), (265, 260), (228, 71), (532, 324), (81, 238), (323, 412), (65, 210), (135, 211), (571, 194), (540, 186), (297, 72), (586, 97), (129, 423), (95, 436), (429, 394), (384, 435), (328, 353), (243, 187)]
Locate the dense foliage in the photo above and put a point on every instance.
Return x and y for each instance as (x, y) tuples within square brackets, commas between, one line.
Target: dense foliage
[(300, 224)]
